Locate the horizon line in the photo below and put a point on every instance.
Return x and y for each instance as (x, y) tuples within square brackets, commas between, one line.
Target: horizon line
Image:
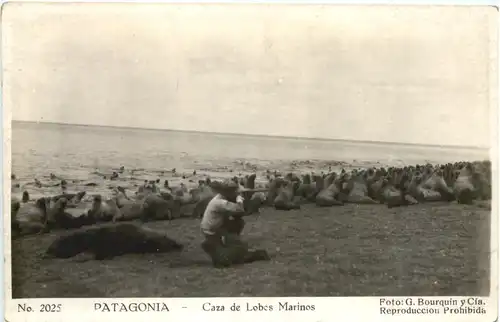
[(260, 135)]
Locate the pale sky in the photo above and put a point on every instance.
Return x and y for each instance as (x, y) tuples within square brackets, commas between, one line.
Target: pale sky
[(406, 74)]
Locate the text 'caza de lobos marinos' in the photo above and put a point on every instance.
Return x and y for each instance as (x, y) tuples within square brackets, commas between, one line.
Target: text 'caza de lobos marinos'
[(282, 306), (131, 307)]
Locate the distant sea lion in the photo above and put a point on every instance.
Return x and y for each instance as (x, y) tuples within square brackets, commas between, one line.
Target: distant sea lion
[(109, 241)]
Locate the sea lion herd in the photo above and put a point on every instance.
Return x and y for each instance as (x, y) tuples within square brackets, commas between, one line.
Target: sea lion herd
[(463, 182)]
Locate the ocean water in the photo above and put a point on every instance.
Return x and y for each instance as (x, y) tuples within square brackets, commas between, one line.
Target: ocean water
[(39, 149)]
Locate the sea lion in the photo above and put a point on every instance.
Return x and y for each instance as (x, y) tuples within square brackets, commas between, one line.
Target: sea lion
[(207, 192), (147, 188), (29, 218), (58, 216), (416, 190), (284, 198), (357, 190), (375, 187), (437, 183), (155, 207), (257, 200), (113, 240), (121, 198), (103, 210), (465, 186), (274, 185), (292, 177), (114, 176), (73, 199), (249, 182), (307, 190), (394, 197), (327, 194), (130, 211)]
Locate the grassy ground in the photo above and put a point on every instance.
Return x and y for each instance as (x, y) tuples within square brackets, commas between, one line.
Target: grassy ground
[(427, 250)]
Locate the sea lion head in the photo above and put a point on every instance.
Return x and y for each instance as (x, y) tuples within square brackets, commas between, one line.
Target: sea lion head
[(97, 199), (41, 203), (61, 204), (120, 189), (79, 196)]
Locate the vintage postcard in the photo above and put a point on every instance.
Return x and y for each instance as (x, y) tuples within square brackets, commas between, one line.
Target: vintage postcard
[(226, 162)]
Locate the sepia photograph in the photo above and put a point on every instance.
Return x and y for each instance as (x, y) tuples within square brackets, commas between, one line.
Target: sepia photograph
[(249, 150)]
